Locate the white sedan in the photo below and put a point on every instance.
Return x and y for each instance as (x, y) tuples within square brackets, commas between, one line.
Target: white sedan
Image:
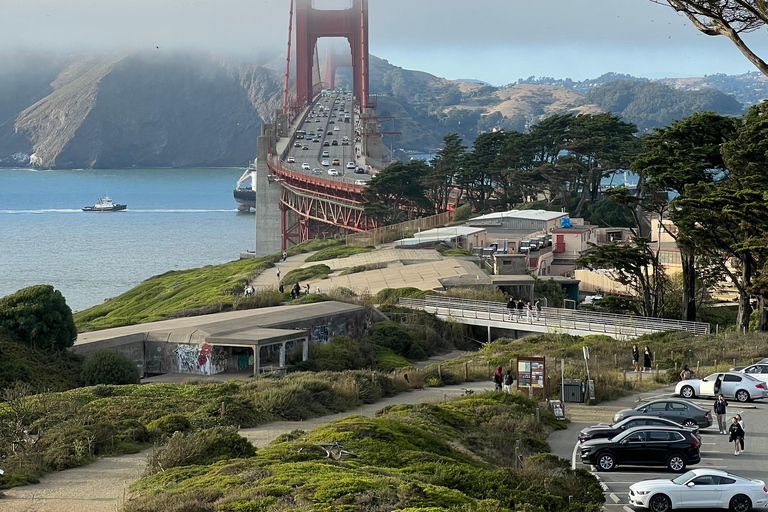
[(699, 489), (333, 172), (351, 165), (741, 386), (758, 371), (305, 166)]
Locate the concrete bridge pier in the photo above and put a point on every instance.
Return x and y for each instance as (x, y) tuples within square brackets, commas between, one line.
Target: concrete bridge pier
[(372, 145), (268, 228)]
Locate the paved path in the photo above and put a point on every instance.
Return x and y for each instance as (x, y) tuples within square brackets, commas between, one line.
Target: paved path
[(268, 278), (102, 486)]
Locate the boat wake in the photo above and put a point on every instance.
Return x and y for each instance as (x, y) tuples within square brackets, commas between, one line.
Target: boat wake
[(66, 210)]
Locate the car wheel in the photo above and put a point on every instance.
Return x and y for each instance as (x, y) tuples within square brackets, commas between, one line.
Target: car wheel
[(605, 462), (690, 424), (660, 503), (687, 392), (740, 503), (742, 395), (676, 463)]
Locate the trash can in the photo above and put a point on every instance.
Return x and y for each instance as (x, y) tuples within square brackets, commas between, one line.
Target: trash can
[(573, 391)]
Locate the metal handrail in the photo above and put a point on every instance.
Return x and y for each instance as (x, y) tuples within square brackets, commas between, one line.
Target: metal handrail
[(556, 317)]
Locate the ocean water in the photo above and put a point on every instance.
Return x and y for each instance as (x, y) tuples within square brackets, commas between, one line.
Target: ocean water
[(176, 219)]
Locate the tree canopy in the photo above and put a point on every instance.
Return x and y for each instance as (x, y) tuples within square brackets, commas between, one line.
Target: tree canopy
[(38, 317)]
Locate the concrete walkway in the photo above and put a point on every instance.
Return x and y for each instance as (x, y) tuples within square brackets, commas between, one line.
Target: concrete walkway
[(268, 278)]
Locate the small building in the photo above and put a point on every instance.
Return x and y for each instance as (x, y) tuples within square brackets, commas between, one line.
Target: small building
[(520, 221), (463, 237)]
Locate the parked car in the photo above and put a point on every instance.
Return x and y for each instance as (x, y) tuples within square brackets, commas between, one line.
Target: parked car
[(608, 431), (739, 368), (305, 166), (699, 489), (741, 386), (758, 371), (683, 412), (672, 447)]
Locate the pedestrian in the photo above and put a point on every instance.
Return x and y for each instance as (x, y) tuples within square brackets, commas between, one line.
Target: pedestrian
[(647, 359), (736, 435), (721, 408), (285, 255), (744, 431), (686, 373), (507, 385), (308, 288), (538, 309), (498, 378), (529, 313), (636, 357), (520, 307), (293, 293), (317, 290), (278, 274), (281, 288), (511, 308)]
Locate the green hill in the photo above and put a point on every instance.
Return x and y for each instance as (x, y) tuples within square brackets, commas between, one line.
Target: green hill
[(55, 371)]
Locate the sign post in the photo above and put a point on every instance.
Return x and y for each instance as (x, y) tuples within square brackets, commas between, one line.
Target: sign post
[(531, 375)]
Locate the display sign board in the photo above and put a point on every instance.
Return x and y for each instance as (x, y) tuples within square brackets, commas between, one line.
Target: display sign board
[(531, 372)]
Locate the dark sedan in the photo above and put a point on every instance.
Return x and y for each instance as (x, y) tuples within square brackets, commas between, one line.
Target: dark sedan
[(682, 412), (608, 431), (674, 448)]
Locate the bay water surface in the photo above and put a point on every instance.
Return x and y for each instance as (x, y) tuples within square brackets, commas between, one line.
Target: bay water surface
[(176, 219)]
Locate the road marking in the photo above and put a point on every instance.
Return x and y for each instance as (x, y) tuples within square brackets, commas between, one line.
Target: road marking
[(573, 456), (614, 498), (628, 509)]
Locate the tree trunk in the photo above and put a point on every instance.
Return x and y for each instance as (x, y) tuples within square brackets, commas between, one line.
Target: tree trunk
[(762, 317), (688, 262), (745, 307)]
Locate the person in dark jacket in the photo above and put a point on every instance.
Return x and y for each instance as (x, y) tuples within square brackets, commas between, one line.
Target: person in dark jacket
[(647, 359), (744, 429), (721, 408), (520, 307), (736, 435), (507, 384), (636, 357), (511, 308), (498, 378)]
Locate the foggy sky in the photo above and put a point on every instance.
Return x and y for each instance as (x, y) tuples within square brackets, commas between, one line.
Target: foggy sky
[(497, 41)]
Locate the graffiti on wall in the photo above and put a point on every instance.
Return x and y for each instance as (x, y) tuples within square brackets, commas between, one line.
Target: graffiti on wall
[(320, 334), (203, 359)]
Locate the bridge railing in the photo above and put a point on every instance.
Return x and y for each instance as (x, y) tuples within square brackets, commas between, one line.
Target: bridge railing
[(391, 233), (557, 318)]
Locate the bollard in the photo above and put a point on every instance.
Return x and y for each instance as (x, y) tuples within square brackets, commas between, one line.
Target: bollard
[(440, 371), (657, 371), (715, 365), (466, 371), (625, 378), (697, 369)]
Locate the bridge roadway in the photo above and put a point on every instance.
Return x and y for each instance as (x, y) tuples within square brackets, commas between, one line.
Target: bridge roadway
[(324, 143), (574, 322)]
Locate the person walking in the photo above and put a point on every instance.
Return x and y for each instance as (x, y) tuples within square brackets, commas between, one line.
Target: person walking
[(721, 408), (647, 359), (511, 308), (507, 384), (285, 256), (498, 378), (736, 435), (686, 373), (744, 431), (636, 357), (538, 309), (278, 274), (520, 307), (308, 288), (529, 313)]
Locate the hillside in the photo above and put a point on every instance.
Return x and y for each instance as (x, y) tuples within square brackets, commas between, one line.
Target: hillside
[(160, 109), (42, 370)]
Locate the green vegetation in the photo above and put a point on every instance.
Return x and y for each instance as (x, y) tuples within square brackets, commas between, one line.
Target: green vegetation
[(363, 268), (341, 251), (54, 431), (462, 213), (39, 318), (306, 274), (197, 448), (390, 296), (456, 252), (109, 367), (458, 455), (191, 292), (41, 370)]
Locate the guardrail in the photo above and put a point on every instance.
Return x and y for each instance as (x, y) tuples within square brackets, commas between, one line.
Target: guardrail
[(556, 318)]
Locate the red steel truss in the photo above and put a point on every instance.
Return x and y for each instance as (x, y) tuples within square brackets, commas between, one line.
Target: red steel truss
[(323, 206)]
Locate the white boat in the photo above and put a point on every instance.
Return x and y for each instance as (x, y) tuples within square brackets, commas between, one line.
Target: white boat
[(104, 204)]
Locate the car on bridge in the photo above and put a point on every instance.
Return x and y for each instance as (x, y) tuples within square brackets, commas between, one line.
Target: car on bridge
[(699, 489), (335, 143), (741, 386), (330, 132), (326, 154), (333, 172), (291, 160), (351, 165), (361, 182), (359, 170), (335, 161), (305, 166), (325, 163), (317, 171), (331, 122), (298, 144), (672, 447), (326, 143), (683, 412)]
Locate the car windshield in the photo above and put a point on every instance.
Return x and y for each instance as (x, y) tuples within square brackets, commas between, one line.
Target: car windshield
[(683, 478)]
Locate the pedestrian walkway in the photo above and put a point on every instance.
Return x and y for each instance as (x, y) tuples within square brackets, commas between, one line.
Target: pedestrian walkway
[(268, 278)]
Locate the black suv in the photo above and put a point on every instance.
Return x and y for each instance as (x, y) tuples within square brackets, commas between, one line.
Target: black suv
[(608, 431), (674, 448)]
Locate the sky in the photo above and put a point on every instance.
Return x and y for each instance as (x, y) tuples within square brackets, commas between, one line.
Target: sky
[(497, 41)]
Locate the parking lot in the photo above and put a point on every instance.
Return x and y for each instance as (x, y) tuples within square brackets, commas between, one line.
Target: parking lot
[(716, 451)]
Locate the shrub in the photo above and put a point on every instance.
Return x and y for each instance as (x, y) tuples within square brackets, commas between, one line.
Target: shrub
[(169, 425), (203, 447), (109, 367), (390, 296), (462, 213), (392, 336), (342, 251), (306, 274), (42, 370), (457, 252), (38, 317)]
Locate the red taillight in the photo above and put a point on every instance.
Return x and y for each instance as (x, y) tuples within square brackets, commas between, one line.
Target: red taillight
[(759, 386), (765, 490), (696, 443), (706, 414)]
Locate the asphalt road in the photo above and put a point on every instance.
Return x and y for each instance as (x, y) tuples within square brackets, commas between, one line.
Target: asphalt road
[(326, 126), (716, 451)]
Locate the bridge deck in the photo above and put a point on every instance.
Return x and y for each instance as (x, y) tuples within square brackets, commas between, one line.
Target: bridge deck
[(579, 323)]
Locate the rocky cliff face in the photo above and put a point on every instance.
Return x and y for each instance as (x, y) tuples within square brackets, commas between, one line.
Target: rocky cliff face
[(146, 110)]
